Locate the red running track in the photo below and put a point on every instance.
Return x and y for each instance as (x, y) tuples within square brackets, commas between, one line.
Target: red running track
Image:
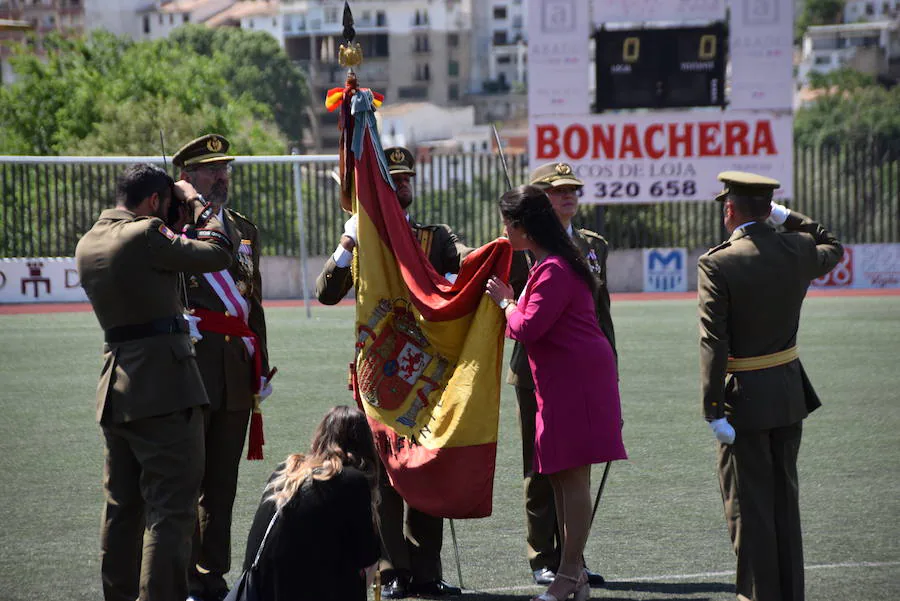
[(39, 308)]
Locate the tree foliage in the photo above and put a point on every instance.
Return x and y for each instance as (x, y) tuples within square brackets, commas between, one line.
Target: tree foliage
[(818, 12), (109, 95), (852, 109)]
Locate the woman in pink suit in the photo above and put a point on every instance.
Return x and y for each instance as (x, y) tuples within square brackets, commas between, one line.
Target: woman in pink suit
[(579, 417)]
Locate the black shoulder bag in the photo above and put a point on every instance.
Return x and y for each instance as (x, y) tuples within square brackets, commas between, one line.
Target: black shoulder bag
[(247, 586)]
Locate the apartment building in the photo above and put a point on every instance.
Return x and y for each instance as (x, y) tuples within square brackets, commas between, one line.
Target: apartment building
[(866, 10), (66, 17), (869, 47), (414, 51)]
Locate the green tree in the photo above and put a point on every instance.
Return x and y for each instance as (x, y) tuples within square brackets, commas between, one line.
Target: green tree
[(818, 12), (252, 62)]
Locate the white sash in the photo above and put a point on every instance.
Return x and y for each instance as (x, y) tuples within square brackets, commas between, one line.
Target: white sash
[(223, 285)]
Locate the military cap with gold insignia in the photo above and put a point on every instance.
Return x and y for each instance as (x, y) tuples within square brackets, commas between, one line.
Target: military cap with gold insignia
[(211, 148), (742, 183), (400, 160), (552, 175)]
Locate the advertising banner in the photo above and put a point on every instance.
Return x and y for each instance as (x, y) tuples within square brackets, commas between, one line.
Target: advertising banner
[(664, 155), (865, 266), (761, 45), (665, 270), (558, 57), (40, 280), (612, 11)]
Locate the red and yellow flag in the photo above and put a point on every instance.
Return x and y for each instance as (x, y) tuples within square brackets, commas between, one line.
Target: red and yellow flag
[(429, 353)]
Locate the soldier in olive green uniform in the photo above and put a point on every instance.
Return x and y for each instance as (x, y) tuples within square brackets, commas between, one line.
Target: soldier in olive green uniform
[(411, 547), (543, 537), (755, 391), (226, 361), (150, 394)]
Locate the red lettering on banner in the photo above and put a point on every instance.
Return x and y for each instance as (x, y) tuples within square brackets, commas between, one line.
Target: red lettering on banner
[(606, 140), (656, 140), (547, 135), (579, 132), (652, 151), (736, 136), (630, 143), (762, 138), (709, 139), (842, 274), (685, 139)]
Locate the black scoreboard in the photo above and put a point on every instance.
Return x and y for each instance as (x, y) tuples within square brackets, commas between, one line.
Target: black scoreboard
[(660, 68)]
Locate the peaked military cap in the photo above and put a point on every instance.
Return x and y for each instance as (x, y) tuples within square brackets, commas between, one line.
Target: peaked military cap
[(552, 175), (211, 148), (400, 160), (742, 183)]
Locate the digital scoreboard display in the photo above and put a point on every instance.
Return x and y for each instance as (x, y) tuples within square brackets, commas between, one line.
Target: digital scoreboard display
[(660, 68)]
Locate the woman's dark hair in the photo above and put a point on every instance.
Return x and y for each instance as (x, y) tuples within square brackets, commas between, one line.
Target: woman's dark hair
[(141, 180), (343, 438), (529, 208)]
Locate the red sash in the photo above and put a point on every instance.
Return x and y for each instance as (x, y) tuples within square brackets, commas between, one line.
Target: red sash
[(229, 325)]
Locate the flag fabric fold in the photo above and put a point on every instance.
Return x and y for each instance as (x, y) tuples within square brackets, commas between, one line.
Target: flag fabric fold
[(428, 352)]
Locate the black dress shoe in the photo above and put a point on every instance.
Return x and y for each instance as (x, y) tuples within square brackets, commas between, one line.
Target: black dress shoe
[(395, 588), (434, 588), (544, 576), (594, 579)]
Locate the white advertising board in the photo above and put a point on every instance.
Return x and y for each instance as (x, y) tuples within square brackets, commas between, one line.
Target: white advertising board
[(761, 36), (665, 270), (40, 280), (558, 57), (865, 266), (664, 155), (613, 11)]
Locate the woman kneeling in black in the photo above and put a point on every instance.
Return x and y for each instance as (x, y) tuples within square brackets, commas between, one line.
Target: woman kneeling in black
[(324, 543)]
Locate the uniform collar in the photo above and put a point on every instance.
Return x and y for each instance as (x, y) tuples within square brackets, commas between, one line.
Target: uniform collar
[(750, 228), (117, 214)]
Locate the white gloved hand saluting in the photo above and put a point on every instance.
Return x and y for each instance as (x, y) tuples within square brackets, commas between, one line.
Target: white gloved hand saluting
[(193, 330), (723, 430), (778, 215), (265, 389)]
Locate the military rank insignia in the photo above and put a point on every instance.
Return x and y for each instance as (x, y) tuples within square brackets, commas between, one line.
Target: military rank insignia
[(165, 231)]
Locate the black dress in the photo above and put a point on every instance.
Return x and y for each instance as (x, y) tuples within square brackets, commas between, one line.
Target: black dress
[(320, 543)]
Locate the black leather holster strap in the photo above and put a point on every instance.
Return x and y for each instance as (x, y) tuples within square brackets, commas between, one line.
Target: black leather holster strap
[(164, 325)]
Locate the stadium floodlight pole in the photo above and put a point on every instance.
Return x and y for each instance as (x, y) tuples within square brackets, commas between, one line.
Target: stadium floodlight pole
[(502, 156), (599, 492)]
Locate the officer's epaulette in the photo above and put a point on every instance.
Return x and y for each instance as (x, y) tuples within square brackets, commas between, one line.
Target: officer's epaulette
[(590, 234), (240, 216), (725, 244)]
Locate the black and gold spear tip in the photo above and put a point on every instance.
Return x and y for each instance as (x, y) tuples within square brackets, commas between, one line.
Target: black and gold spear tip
[(349, 31)]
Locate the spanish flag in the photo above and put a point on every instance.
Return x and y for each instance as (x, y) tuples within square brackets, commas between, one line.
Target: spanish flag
[(428, 352)]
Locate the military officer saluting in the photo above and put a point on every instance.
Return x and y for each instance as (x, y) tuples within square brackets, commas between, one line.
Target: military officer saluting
[(150, 394), (410, 540), (230, 329), (755, 391), (543, 537)]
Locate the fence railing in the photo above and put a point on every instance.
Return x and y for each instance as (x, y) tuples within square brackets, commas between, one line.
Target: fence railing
[(49, 202)]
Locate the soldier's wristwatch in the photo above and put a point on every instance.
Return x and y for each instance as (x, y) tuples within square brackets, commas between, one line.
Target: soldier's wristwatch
[(504, 304)]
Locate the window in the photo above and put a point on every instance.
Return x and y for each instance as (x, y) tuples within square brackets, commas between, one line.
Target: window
[(823, 60), (423, 72), (250, 23), (504, 60), (331, 14), (380, 18), (870, 9), (185, 18), (453, 91), (500, 12), (500, 38), (421, 43), (160, 19), (453, 68), (146, 24), (453, 40), (517, 22), (171, 19), (412, 93)]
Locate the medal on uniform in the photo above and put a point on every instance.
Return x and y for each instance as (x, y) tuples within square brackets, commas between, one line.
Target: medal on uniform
[(592, 260)]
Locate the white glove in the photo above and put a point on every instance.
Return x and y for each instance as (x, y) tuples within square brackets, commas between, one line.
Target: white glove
[(451, 277), (723, 430), (193, 330), (351, 227), (265, 389), (778, 215)]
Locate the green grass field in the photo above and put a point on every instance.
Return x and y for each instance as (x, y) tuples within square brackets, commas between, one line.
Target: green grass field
[(659, 534)]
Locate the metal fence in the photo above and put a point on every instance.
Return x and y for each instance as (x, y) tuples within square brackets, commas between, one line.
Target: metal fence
[(48, 202)]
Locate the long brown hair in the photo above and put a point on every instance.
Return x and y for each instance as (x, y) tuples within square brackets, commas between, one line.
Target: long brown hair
[(343, 438)]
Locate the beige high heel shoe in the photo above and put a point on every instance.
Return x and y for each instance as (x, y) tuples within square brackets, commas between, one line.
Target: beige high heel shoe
[(581, 592)]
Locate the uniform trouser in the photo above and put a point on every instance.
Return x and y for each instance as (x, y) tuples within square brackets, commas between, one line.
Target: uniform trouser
[(410, 540), (152, 476), (540, 509), (758, 479), (211, 550)]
